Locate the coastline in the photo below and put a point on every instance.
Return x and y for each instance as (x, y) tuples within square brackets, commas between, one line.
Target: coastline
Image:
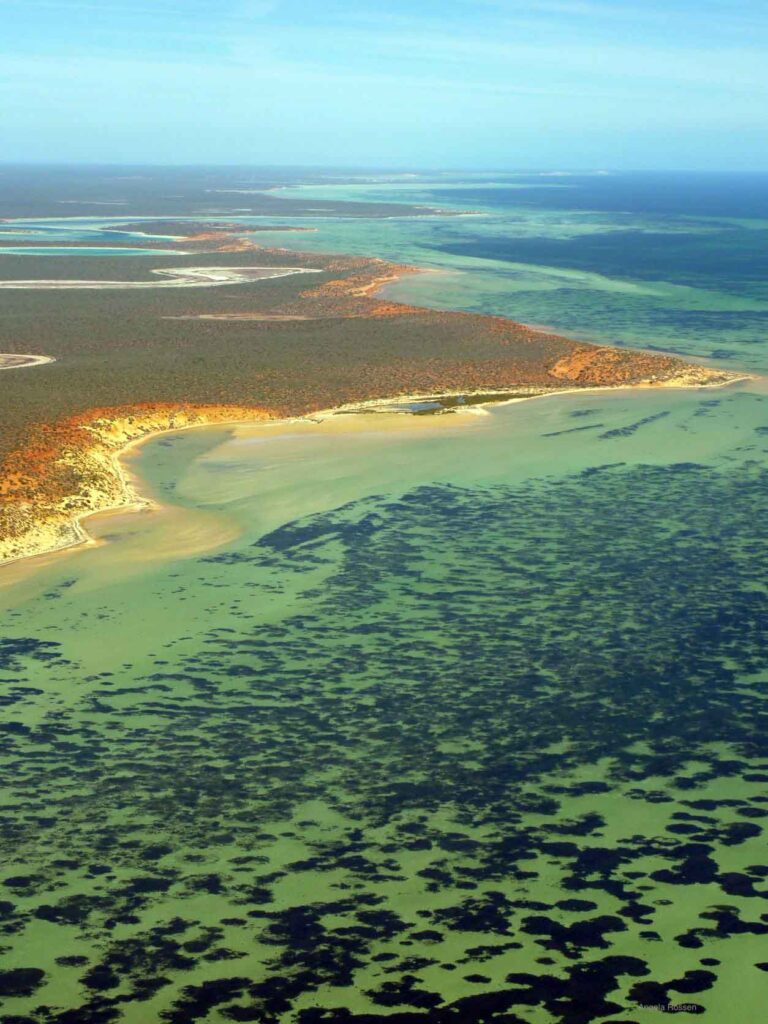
[(62, 529), (351, 685), (70, 469), (387, 405), (70, 533)]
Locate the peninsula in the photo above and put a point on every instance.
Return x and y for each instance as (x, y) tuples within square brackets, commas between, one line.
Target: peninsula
[(234, 331)]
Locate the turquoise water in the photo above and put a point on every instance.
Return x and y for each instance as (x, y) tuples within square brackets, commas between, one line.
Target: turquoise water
[(447, 718), (673, 262), (72, 229)]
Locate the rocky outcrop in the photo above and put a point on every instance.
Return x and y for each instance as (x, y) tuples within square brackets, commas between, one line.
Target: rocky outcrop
[(593, 365)]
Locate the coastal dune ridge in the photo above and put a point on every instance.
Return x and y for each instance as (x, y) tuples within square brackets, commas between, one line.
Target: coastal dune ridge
[(133, 368)]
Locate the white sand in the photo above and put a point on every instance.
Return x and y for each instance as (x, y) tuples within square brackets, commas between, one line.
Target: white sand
[(17, 361), (180, 277)]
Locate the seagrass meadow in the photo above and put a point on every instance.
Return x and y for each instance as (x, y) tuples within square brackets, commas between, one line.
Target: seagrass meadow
[(378, 718), (394, 759), (136, 339)]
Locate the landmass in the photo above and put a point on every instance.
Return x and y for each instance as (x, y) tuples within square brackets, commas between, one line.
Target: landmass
[(283, 334), (171, 193)]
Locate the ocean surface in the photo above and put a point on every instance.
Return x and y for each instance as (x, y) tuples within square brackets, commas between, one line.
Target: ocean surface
[(450, 719)]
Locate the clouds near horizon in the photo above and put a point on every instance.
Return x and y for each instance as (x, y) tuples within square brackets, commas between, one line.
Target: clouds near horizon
[(463, 83)]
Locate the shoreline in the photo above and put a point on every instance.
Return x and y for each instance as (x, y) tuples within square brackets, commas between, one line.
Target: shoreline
[(386, 405), (85, 448), (131, 499)]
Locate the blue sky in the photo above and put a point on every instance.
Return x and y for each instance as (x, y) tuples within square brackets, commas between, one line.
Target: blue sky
[(455, 83)]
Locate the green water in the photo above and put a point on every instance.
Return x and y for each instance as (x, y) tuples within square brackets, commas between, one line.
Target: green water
[(644, 260), (461, 732), (441, 719)]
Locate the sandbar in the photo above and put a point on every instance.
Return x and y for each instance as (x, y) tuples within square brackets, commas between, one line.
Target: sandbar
[(18, 361)]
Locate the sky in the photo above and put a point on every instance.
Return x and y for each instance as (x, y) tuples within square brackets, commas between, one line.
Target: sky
[(400, 84)]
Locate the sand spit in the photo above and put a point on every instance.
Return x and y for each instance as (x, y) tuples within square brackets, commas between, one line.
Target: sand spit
[(478, 401), (179, 277), (17, 361)]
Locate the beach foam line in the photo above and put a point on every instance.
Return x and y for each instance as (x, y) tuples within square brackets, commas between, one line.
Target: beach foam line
[(179, 277)]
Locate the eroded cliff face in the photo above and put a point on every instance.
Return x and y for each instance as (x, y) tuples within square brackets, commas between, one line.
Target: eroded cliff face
[(70, 470)]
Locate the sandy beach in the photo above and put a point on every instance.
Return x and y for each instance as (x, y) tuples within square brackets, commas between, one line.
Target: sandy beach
[(63, 533), (376, 356)]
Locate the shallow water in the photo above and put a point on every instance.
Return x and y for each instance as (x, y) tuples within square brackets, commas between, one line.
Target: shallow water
[(677, 262), (388, 714), (102, 250)]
